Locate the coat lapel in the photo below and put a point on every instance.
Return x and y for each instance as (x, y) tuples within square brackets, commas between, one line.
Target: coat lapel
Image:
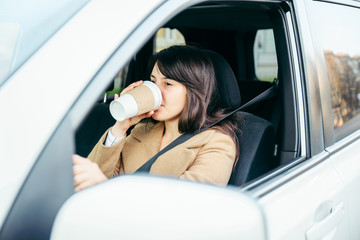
[(174, 162), (141, 145), (177, 160), (144, 143)]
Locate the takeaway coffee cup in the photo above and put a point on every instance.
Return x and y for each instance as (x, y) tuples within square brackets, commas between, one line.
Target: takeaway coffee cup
[(141, 99)]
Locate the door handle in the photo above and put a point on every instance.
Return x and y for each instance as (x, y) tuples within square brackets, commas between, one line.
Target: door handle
[(325, 226)]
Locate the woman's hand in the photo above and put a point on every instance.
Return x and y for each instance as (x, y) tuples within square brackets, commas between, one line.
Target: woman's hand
[(86, 173), (120, 127)]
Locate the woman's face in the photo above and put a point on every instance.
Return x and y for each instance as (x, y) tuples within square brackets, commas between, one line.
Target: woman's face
[(173, 94)]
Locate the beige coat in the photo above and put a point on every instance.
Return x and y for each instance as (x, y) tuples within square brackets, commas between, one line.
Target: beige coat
[(207, 157)]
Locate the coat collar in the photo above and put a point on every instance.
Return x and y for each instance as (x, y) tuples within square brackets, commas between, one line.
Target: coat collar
[(144, 143), (148, 132)]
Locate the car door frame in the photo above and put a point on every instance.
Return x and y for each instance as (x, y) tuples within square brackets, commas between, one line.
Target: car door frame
[(302, 188)]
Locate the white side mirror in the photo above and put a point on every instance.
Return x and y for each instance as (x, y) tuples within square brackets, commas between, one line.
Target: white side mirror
[(142, 207)]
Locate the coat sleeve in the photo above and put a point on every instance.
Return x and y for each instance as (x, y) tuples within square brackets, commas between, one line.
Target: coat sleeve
[(108, 158), (214, 161)]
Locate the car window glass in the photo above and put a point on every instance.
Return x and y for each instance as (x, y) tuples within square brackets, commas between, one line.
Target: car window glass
[(166, 37), (26, 25), (342, 58), (9, 34), (266, 66)]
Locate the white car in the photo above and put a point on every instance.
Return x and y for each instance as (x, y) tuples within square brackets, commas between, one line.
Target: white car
[(301, 175)]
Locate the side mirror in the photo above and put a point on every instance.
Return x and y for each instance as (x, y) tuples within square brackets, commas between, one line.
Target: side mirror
[(143, 207)]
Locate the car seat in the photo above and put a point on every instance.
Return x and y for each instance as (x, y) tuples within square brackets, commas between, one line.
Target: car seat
[(256, 140)]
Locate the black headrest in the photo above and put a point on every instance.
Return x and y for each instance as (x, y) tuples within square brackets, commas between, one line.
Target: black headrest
[(229, 93)]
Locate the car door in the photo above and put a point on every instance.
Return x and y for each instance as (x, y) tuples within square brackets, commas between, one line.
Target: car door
[(339, 65), (308, 199)]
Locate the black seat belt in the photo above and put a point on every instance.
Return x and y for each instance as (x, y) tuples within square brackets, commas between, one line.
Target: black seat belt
[(268, 93)]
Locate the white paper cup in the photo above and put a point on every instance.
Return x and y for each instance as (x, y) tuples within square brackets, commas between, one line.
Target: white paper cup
[(141, 99)]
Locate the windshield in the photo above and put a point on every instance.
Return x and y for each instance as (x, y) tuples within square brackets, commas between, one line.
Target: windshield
[(26, 25)]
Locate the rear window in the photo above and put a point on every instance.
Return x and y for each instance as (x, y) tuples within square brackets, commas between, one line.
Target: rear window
[(266, 66), (166, 37), (339, 38)]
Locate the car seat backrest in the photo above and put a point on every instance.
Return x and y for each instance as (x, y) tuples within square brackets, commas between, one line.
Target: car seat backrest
[(256, 141), (256, 149), (249, 90)]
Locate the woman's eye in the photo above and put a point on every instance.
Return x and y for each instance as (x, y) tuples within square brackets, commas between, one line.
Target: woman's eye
[(168, 84)]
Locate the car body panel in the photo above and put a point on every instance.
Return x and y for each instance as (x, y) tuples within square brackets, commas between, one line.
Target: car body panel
[(36, 112), (346, 158), (293, 207)]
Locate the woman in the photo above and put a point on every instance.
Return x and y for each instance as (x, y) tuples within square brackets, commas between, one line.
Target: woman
[(186, 78)]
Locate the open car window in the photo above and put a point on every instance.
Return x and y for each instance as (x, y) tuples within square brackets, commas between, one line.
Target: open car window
[(253, 51)]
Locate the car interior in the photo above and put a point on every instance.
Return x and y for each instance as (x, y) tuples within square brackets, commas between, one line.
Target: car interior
[(227, 31)]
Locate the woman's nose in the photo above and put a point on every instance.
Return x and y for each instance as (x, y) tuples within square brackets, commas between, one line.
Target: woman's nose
[(160, 87), (161, 90), (162, 93)]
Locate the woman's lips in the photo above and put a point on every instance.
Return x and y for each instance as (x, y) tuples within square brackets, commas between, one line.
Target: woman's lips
[(159, 108)]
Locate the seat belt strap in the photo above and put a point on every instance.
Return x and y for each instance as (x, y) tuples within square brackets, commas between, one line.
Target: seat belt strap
[(268, 93)]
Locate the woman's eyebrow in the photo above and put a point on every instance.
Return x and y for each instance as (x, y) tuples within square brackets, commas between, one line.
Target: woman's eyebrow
[(163, 78)]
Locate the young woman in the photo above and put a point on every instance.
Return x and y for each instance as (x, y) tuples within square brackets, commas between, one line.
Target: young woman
[(186, 78)]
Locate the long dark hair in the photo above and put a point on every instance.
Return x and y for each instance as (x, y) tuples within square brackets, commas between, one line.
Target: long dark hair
[(191, 67)]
